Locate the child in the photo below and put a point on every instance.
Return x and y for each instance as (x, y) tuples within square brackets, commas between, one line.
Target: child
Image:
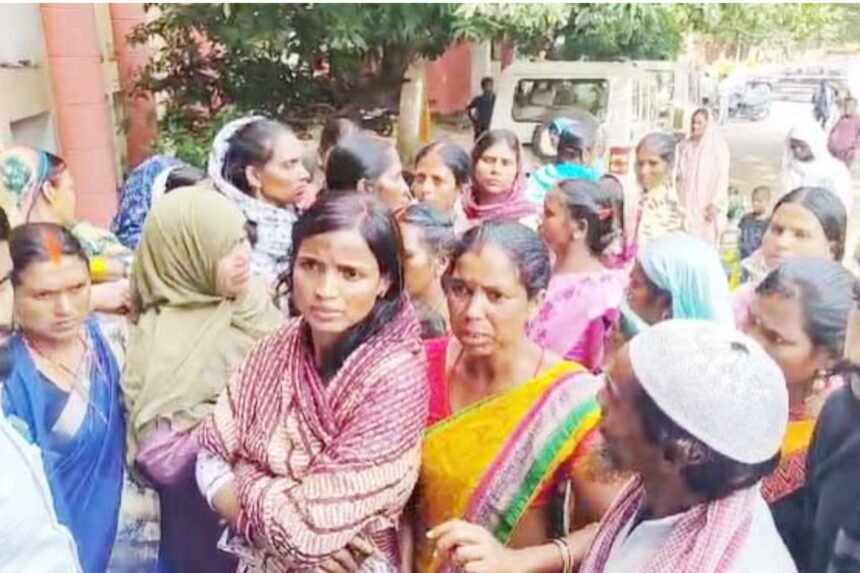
[(753, 225)]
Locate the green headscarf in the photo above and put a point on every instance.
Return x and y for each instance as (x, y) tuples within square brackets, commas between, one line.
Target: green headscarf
[(185, 340)]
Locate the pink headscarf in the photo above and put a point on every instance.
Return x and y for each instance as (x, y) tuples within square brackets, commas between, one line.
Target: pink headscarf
[(703, 179), (510, 206)]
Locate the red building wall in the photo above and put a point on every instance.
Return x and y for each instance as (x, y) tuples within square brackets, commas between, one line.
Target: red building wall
[(449, 79), (83, 117)]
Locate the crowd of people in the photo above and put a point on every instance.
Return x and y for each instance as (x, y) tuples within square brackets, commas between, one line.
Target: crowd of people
[(460, 366)]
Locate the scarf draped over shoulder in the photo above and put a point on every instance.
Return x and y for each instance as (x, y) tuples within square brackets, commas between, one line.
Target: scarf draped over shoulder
[(274, 224), (318, 462), (186, 340)]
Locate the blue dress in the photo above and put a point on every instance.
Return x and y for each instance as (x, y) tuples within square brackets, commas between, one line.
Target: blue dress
[(85, 469)]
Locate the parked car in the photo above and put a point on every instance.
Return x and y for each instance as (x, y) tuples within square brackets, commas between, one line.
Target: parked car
[(620, 96)]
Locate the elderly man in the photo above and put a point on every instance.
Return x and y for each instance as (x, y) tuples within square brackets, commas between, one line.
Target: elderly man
[(833, 467), (697, 411)]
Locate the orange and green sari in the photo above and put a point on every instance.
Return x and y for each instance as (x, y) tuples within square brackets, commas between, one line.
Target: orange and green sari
[(489, 463), (790, 474)]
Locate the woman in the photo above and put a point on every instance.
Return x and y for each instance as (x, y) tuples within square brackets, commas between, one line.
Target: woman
[(622, 251), (37, 187), (146, 183), (512, 424), (677, 276), (575, 140), (197, 312), (334, 131), (703, 179), (800, 316), (808, 222), (441, 177), (498, 190), (581, 304), (257, 164), (368, 165), (808, 163), (63, 391), (659, 211), (428, 240), (321, 430)]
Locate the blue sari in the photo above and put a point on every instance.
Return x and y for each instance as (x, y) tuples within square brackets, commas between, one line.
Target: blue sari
[(84, 470), (136, 198)]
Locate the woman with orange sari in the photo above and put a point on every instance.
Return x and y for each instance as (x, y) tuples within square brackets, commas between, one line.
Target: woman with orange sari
[(800, 316), (512, 424)]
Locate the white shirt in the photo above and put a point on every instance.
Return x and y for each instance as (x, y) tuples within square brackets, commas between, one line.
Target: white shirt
[(31, 538), (763, 551)]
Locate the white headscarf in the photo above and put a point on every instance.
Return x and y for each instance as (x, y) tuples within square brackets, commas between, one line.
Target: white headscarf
[(823, 170), (271, 254)]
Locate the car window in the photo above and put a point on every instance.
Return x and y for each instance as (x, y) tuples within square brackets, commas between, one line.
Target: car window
[(537, 99)]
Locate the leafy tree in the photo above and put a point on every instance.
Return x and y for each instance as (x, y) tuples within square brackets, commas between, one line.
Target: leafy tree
[(612, 31)]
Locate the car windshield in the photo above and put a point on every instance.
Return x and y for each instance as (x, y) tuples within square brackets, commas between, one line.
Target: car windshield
[(539, 99)]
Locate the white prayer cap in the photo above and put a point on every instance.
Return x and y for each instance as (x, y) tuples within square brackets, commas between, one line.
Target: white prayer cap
[(717, 384)]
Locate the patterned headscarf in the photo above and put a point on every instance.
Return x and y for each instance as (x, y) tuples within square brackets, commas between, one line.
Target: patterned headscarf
[(145, 183), (274, 225), (23, 171)]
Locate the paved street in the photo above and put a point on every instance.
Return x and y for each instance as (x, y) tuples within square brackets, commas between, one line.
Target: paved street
[(757, 149)]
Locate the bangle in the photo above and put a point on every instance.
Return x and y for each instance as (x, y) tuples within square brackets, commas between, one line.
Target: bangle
[(566, 555), (98, 268)]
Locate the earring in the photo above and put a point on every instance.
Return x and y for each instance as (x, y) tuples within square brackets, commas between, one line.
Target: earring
[(819, 383)]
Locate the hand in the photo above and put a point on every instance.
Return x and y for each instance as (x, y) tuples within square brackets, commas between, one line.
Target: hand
[(112, 297), (711, 213), (472, 548), (226, 504), (348, 559)]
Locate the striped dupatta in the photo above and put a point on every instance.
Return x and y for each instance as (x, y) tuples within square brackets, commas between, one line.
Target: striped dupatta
[(318, 463), (488, 463)]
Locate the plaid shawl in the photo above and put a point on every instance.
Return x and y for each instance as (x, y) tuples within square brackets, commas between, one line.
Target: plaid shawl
[(706, 539), (319, 462)]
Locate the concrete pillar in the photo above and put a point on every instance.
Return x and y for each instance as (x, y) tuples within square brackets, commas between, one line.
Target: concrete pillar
[(83, 118), (140, 112), (413, 98)]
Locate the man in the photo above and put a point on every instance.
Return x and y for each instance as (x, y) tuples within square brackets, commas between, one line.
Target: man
[(822, 102), (807, 163), (697, 411), (833, 470), (480, 109), (574, 154), (845, 135)]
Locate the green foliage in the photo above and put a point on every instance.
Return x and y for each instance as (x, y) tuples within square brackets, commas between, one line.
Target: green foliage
[(612, 31), (215, 61)]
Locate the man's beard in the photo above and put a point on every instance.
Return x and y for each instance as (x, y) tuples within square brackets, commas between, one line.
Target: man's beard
[(610, 458)]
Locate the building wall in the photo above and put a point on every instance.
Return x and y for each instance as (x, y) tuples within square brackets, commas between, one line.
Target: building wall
[(82, 82), (449, 79), (63, 69), (25, 94)]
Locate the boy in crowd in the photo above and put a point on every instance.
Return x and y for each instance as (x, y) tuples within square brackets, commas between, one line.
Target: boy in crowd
[(754, 224)]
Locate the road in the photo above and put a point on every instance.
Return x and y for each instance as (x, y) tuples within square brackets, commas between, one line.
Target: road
[(757, 148)]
